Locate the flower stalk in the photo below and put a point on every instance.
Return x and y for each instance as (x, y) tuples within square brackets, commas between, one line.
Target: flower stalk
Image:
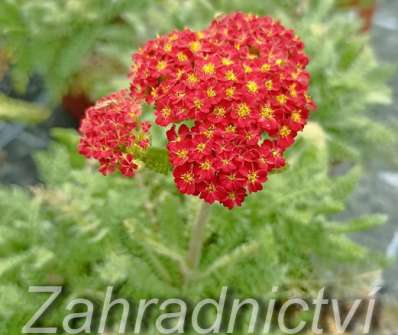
[(197, 239)]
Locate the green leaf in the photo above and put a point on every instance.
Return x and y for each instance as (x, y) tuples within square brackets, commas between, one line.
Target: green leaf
[(156, 159), (70, 139), (358, 224), (11, 263), (20, 111), (65, 136), (343, 186)]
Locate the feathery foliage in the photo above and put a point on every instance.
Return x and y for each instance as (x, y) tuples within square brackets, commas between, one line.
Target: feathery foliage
[(86, 232)]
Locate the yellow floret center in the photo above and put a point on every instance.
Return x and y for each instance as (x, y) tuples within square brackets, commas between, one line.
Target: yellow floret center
[(161, 65), (284, 131), (182, 57), (231, 196), (192, 78), (281, 99), (230, 75), (226, 61), (219, 111), (230, 91), (210, 92), (209, 68), (230, 129), (201, 147), (267, 112), (182, 153), (211, 188), (296, 116), (195, 46), (198, 103), (206, 165), (243, 110), (166, 111), (168, 47), (247, 69), (265, 67), (252, 177), (188, 177), (252, 86)]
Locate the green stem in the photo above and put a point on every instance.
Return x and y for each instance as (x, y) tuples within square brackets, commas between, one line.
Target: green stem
[(197, 238)]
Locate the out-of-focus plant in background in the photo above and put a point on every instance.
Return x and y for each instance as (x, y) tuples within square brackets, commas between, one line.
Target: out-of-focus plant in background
[(86, 232)]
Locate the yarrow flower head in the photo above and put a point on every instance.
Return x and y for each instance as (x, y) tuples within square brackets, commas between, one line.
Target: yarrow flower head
[(113, 134), (242, 83)]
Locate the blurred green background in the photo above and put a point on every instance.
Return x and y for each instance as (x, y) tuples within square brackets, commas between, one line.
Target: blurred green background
[(328, 220)]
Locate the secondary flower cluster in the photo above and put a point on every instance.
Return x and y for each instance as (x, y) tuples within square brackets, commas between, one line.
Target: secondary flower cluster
[(113, 134), (243, 83)]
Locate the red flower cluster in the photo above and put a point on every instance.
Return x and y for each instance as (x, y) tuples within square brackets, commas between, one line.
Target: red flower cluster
[(219, 164), (113, 134), (243, 83)]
